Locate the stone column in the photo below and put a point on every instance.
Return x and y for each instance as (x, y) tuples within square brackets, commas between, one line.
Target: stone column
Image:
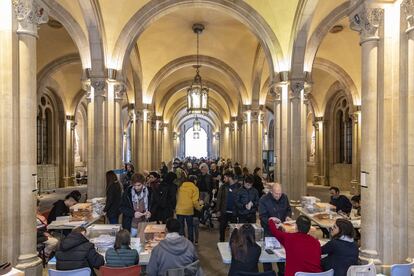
[(356, 140), (255, 142), (408, 9), (29, 15), (285, 139), (69, 154), (366, 21), (110, 124), (297, 184), (168, 143), (90, 110), (276, 98), (120, 92), (139, 150), (317, 171), (96, 168)]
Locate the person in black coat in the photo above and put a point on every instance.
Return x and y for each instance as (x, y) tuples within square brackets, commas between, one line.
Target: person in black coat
[(341, 202), (126, 178), (342, 250), (245, 253), (61, 207), (113, 197), (247, 201), (166, 198), (75, 251), (258, 183)]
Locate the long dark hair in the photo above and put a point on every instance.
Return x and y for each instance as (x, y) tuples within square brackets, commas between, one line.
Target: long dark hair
[(123, 238), (345, 228), (110, 179), (240, 241)]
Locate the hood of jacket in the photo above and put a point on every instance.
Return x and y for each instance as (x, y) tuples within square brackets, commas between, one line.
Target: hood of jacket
[(72, 240), (176, 246)]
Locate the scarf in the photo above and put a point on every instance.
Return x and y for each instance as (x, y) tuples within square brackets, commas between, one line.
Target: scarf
[(137, 197)]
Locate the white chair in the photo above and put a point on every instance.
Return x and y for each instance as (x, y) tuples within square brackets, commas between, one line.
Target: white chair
[(86, 271), (362, 270), (330, 272), (402, 269)]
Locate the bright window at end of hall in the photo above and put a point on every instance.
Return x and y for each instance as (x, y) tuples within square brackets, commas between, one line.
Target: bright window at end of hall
[(196, 147)]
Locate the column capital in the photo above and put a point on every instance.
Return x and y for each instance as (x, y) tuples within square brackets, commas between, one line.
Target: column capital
[(296, 88), (408, 8), (367, 20), (29, 14), (120, 91), (98, 85), (275, 93)]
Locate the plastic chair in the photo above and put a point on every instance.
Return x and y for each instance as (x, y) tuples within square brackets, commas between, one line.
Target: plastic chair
[(266, 273), (133, 270), (362, 270), (402, 269), (330, 272), (191, 269), (86, 271)]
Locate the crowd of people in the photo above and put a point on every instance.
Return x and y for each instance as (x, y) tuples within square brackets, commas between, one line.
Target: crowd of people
[(193, 191)]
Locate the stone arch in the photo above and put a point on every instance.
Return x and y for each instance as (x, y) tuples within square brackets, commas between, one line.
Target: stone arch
[(213, 86), (259, 59), (344, 80), (320, 32), (240, 10), (73, 28), (207, 61)]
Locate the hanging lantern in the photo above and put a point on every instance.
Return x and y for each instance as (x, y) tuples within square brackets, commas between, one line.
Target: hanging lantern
[(197, 93), (196, 135), (196, 125)]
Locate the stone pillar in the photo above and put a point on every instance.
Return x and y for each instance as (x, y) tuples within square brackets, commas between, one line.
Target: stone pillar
[(69, 154), (276, 98), (255, 142), (366, 21), (110, 124), (96, 139), (90, 110), (285, 139), (29, 15), (119, 90), (356, 141), (168, 143), (408, 7), (317, 159), (297, 144)]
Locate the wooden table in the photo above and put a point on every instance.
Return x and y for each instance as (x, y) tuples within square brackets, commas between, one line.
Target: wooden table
[(67, 225)]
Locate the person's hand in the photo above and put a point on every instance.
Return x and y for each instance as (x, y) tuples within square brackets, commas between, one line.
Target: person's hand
[(138, 214), (47, 234), (275, 220), (147, 214), (289, 219)]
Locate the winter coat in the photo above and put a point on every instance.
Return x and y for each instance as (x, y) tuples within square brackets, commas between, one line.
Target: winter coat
[(75, 251), (270, 207), (171, 253), (127, 208), (122, 257), (222, 197), (187, 199), (164, 201), (59, 209), (243, 197), (113, 200)]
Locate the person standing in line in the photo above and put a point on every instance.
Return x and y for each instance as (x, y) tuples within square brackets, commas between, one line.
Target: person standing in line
[(226, 202), (247, 201), (113, 197), (205, 183), (135, 206), (258, 181), (126, 177)]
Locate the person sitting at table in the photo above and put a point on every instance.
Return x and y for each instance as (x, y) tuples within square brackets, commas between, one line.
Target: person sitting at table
[(76, 251), (135, 206), (247, 200), (356, 204), (175, 251), (342, 250), (61, 207), (274, 204), (303, 252), (122, 255), (113, 197), (43, 236), (341, 202), (245, 252)]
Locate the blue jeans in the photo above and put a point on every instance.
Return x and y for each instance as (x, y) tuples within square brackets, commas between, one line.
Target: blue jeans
[(189, 221), (113, 220)]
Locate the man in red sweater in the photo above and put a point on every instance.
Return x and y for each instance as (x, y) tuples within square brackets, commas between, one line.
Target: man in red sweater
[(303, 252)]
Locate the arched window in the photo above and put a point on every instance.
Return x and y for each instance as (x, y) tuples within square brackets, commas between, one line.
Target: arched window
[(44, 131), (271, 135), (342, 132)]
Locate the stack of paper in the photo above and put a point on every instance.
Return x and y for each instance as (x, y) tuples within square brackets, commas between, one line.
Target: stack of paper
[(103, 241)]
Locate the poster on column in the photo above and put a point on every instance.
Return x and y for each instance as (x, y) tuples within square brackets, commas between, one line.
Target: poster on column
[(364, 179)]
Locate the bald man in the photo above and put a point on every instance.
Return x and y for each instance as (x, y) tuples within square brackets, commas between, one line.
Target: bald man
[(274, 204)]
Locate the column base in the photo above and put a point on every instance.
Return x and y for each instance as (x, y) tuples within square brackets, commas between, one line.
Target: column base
[(68, 181), (31, 264), (323, 181), (368, 255), (355, 187), (316, 180)]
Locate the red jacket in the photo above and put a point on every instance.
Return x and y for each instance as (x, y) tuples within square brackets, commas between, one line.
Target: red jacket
[(303, 252)]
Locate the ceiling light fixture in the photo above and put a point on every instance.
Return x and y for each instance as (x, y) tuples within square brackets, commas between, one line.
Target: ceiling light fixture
[(197, 93)]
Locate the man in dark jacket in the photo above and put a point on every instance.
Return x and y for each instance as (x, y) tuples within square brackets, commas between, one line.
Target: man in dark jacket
[(75, 251), (247, 201), (164, 199), (61, 207), (205, 183), (274, 204), (226, 202), (341, 202)]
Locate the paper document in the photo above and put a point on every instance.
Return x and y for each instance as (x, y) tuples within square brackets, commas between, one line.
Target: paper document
[(272, 243)]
